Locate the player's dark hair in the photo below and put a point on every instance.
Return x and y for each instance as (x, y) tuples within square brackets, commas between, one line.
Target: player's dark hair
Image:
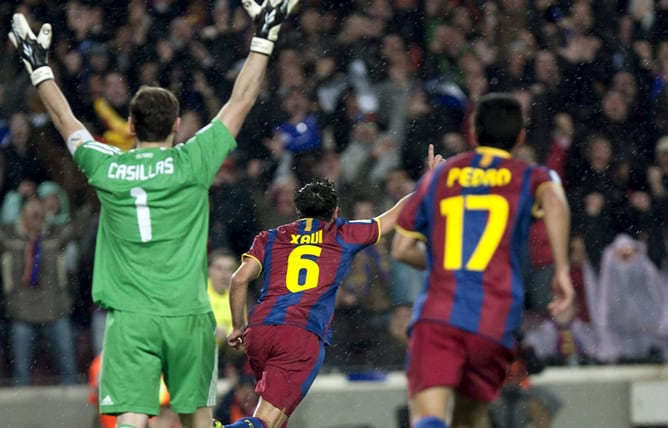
[(153, 111), (318, 199), (498, 120)]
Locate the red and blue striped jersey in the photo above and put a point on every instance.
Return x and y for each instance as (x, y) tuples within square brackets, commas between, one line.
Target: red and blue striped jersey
[(474, 213), (303, 264)]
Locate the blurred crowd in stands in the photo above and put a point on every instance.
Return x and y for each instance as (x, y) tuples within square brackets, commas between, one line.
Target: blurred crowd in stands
[(356, 91)]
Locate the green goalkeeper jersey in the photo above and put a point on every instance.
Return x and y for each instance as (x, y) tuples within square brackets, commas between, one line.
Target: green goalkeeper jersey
[(151, 249)]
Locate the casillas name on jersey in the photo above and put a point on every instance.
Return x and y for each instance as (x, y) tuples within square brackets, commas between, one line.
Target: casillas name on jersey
[(140, 172)]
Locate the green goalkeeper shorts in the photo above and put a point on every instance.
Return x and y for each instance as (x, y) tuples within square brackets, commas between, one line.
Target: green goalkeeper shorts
[(138, 348)]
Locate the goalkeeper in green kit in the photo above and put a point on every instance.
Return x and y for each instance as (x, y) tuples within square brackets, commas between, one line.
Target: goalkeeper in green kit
[(150, 269)]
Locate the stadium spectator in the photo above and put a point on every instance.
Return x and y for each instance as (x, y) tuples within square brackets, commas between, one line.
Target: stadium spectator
[(300, 133), (565, 340), (369, 155), (596, 196), (277, 203), (233, 219), (632, 298), (347, 112), (395, 89), (426, 123), (19, 156), (239, 402), (112, 111), (222, 264), (657, 187), (35, 277), (10, 210), (388, 350)]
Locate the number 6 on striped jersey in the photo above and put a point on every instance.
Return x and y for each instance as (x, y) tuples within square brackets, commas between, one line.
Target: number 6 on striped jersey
[(303, 271)]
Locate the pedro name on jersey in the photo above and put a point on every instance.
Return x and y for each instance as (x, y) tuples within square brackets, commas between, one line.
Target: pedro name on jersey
[(470, 176)]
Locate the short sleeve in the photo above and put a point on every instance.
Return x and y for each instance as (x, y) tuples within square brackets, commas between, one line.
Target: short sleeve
[(540, 178), (207, 150), (257, 249), (90, 155), (359, 232)]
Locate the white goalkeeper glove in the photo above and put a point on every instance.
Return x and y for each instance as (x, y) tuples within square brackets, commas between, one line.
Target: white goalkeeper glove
[(34, 50), (268, 18)]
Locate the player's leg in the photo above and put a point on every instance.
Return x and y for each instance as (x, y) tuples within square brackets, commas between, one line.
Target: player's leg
[(266, 411), (258, 351), (248, 423), (166, 419), (131, 420), (483, 376), (266, 415), (468, 413), (130, 370), (429, 407), (285, 360), (191, 367), (201, 417), (434, 367)]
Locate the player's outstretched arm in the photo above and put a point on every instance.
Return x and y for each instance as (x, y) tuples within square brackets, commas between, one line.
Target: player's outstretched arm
[(388, 219), (557, 222), (409, 250), (34, 52), (406, 247), (267, 18), (249, 270)]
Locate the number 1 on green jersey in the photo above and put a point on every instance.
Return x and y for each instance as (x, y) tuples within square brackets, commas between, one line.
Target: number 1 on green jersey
[(143, 213)]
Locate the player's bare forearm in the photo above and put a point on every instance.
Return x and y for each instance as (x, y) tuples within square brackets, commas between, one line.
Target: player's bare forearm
[(388, 219), (58, 108), (557, 222), (408, 250), (238, 295), (244, 93), (238, 292), (245, 273)]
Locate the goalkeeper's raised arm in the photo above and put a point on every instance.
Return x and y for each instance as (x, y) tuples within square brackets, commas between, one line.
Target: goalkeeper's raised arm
[(267, 19), (34, 52)]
